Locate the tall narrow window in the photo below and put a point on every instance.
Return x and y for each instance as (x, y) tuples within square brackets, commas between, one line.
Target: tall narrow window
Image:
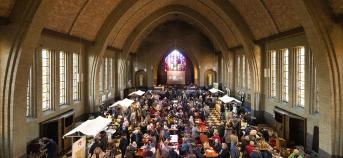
[(101, 78), (110, 77), (46, 105), (273, 74), (243, 72), (29, 95), (248, 77), (63, 77), (316, 94), (300, 80), (106, 74), (76, 75), (285, 71), (239, 71)]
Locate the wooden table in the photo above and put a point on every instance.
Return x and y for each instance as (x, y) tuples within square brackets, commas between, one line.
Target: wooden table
[(210, 153)]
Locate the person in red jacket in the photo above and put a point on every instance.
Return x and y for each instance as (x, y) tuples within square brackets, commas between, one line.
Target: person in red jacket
[(216, 137), (250, 147)]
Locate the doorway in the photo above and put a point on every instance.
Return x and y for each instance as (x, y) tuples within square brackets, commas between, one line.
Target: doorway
[(296, 132)]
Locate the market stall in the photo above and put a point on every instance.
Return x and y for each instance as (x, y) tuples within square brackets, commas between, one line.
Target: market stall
[(226, 99), (229, 100), (87, 128), (125, 103), (137, 93), (214, 90)]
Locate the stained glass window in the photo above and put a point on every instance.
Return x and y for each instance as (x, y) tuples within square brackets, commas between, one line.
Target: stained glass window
[(175, 61)]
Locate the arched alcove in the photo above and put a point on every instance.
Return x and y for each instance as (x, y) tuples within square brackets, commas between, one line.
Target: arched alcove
[(140, 78), (210, 76)]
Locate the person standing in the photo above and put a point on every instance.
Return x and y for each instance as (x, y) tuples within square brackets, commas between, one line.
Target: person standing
[(51, 147), (234, 152), (222, 112), (224, 152), (123, 143)]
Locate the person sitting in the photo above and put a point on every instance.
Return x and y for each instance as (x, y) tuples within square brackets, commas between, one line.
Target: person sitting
[(250, 147), (103, 140), (295, 154), (184, 147), (94, 145), (255, 154), (164, 148), (264, 148), (172, 154), (98, 153), (195, 131), (147, 153), (131, 150), (216, 136)]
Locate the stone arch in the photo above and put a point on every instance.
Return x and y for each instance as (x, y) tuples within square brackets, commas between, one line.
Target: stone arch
[(28, 21), (170, 12), (187, 52), (316, 20), (110, 29)]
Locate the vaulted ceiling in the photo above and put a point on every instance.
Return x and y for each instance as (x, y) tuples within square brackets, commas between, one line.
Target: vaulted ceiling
[(86, 18), (6, 7)]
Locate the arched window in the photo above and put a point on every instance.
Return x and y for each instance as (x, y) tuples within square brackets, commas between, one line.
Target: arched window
[(175, 61)]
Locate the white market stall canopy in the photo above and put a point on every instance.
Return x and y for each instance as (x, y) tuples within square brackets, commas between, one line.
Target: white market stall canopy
[(139, 93), (90, 127), (227, 99), (124, 103), (214, 90)]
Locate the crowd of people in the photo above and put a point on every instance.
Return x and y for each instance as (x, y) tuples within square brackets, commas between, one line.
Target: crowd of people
[(174, 123)]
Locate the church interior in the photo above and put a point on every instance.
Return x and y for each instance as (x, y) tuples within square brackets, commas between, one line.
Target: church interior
[(203, 72)]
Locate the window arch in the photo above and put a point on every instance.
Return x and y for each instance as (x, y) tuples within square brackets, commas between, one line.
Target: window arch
[(175, 61)]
